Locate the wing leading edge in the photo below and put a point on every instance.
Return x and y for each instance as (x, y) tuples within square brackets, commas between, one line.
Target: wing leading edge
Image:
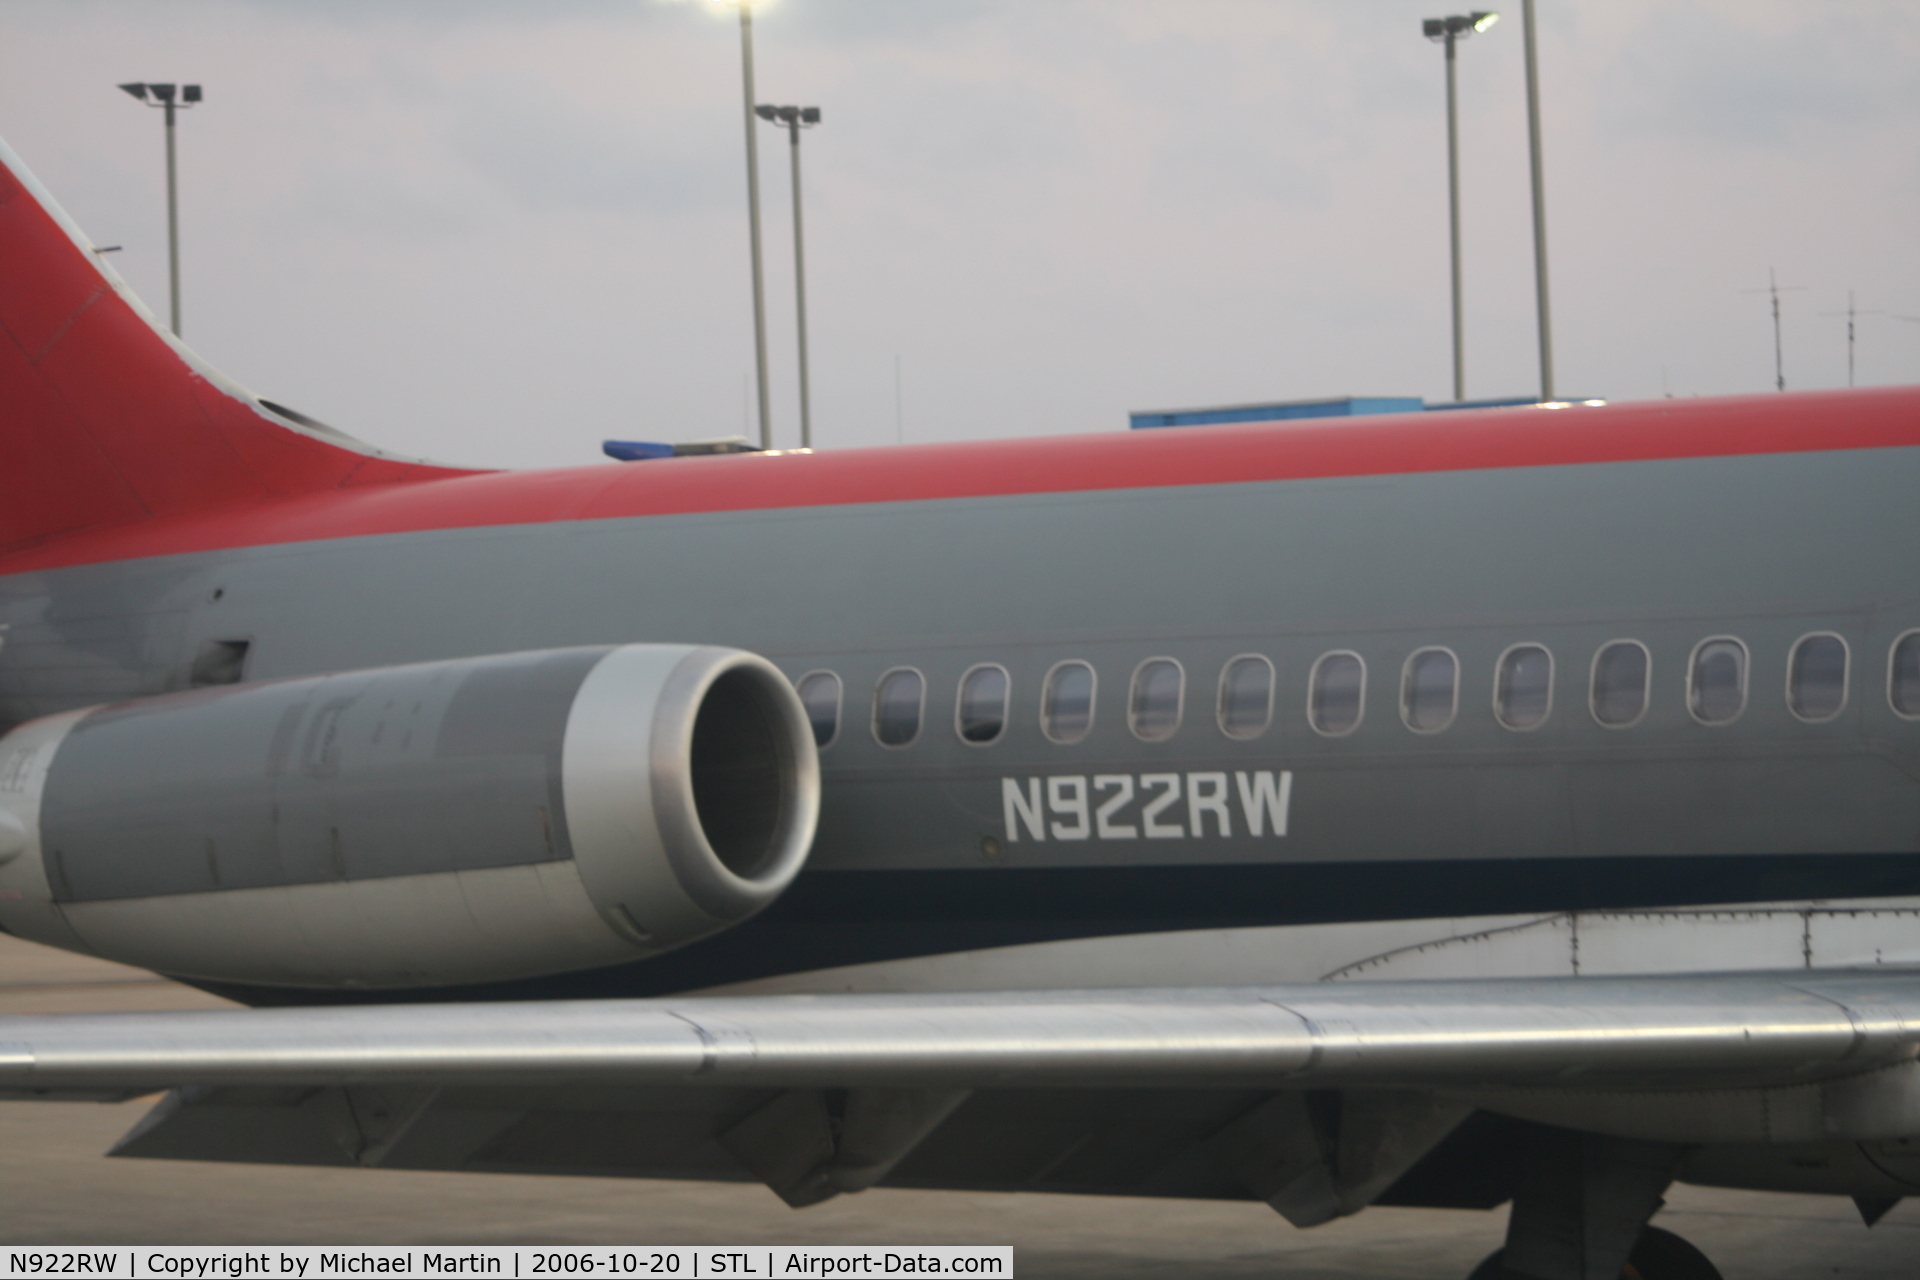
[(1319, 1099), (1618, 1032)]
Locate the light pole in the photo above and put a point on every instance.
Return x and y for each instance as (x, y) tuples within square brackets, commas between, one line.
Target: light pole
[(1539, 204), (1448, 31), (753, 219), (164, 97), (795, 119)]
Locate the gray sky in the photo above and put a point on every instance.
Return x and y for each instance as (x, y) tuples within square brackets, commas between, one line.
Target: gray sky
[(497, 233)]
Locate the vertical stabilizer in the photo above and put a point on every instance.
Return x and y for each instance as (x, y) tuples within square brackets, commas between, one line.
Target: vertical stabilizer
[(107, 419)]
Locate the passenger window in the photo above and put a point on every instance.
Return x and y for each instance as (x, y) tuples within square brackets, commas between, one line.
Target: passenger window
[(820, 695), (1430, 690), (980, 715), (1717, 680), (1246, 696), (1336, 692), (1817, 677), (1159, 690), (1066, 703), (1523, 687), (1620, 674), (898, 701), (1903, 675)]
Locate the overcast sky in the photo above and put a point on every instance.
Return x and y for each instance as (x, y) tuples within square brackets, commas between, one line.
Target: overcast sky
[(498, 232)]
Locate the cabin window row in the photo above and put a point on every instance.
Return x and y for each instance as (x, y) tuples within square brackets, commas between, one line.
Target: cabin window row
[(1620, 683)]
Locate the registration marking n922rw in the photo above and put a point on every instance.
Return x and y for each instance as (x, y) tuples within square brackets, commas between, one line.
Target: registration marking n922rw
[(1147, 806)]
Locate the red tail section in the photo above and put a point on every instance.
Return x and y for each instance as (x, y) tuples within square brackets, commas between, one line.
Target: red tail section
[(105, 419)]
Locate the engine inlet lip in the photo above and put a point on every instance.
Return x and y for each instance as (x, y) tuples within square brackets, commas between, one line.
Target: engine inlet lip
[(713, 886)]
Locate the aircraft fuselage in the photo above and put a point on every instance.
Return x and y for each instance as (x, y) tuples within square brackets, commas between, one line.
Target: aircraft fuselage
[(1451, 783)]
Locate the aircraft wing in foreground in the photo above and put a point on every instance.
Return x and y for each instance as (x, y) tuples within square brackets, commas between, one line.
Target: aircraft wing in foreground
[(1323, 1095)]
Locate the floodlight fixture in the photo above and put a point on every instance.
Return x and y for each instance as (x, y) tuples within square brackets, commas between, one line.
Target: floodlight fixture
[(792, 117), (1458, 26)]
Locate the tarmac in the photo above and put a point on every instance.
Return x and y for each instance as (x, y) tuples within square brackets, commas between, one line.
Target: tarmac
[(56, 1187)]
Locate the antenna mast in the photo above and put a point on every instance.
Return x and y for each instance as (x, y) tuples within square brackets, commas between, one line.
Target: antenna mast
[(1773, 288)]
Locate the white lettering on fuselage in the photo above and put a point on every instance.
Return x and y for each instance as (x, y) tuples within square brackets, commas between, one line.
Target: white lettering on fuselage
[(1074, 807)]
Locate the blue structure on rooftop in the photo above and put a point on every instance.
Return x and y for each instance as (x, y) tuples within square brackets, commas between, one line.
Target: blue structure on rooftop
[(1341, 407), (1345, 406)]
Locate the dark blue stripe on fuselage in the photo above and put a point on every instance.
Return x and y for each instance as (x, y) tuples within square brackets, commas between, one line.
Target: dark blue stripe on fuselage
[(833, 918)]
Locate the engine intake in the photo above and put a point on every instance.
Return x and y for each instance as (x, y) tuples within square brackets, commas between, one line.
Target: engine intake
[(451, 822)]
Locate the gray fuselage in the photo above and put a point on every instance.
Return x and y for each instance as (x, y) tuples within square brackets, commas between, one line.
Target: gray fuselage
[(920, 849)]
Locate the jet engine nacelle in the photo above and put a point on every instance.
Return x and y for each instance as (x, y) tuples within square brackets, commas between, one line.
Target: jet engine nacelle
[(464, 821)]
